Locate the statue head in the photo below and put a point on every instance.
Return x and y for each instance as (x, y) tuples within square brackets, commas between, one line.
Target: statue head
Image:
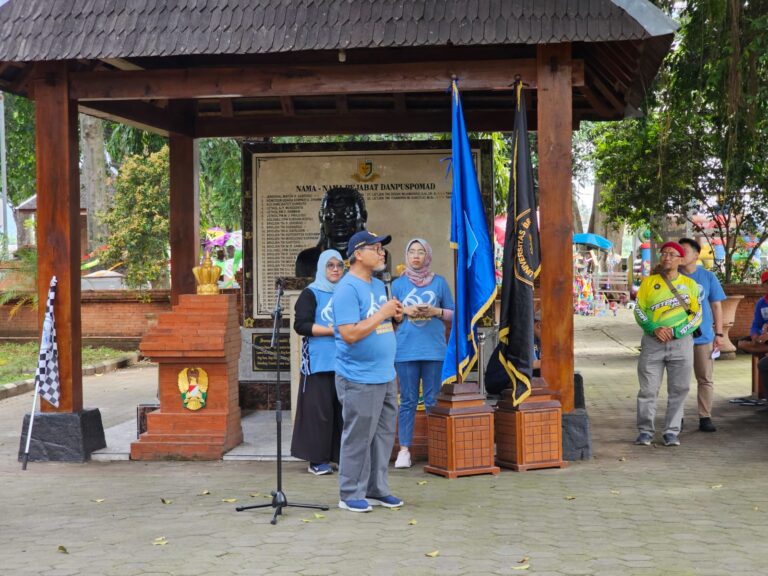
[(342, 213)]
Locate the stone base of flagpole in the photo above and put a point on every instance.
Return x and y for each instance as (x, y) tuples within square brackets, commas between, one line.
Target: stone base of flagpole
[(529, 436), (63, 436), (460, 433)]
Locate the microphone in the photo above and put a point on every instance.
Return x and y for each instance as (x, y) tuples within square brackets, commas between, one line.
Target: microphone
[(279, 285), (386, 277)]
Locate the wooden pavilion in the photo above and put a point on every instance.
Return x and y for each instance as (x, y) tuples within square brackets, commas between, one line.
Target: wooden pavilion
[(190, 69)]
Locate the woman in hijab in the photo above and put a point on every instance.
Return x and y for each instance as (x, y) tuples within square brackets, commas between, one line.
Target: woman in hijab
[(317, 427), (427, 309)]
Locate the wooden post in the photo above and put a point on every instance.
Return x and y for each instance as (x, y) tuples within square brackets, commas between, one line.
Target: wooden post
[(184, 213), (58, 223), (556, 217)]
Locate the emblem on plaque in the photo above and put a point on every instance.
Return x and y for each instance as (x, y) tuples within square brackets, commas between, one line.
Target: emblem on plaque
[(365, 172), (193, 385)]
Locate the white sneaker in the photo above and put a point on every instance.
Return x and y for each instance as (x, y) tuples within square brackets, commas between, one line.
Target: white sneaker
[(403, 459)]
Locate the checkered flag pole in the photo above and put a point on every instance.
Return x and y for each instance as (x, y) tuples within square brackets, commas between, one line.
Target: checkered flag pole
[(47, 377)]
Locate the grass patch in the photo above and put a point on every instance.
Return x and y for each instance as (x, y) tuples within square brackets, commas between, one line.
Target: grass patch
[(19, 361)]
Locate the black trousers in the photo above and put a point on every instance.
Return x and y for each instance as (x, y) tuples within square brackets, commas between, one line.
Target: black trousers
[(318, 424)]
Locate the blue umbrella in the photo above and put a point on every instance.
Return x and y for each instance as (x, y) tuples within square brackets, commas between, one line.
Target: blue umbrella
[(593, 241)]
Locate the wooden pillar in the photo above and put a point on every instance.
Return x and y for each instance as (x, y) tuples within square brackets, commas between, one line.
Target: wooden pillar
[(184, 213), (556, 217), (58, 223)]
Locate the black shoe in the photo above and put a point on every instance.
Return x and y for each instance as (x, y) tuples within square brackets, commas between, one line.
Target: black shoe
[(705, 425)]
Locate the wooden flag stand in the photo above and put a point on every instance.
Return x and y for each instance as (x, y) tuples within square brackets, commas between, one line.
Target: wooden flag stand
[(460, 433), (530, 436)]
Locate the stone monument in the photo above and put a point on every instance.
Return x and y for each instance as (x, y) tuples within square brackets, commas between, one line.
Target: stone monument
[(342, 213)]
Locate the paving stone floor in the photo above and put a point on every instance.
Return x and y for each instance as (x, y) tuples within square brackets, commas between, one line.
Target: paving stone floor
[(701, 508)]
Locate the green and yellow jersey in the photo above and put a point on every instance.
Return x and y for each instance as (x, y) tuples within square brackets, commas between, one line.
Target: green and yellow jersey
[(657, 306)]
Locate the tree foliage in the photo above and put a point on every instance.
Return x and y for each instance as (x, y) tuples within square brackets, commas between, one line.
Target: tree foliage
[(20, 146), (139, 220), (220, 195), (703, 143)]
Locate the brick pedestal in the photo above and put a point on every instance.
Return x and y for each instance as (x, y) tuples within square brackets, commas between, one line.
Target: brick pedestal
[(201, 332), (530, 435), (460, 433)]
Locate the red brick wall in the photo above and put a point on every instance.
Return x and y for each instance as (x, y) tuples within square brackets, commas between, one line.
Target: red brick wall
[(105, 314), (745, 312)]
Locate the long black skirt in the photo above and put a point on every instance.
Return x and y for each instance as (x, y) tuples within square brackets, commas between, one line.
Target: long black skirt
[(318, 424)]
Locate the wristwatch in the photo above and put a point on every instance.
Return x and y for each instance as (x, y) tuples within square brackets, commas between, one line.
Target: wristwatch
[(719, 334)]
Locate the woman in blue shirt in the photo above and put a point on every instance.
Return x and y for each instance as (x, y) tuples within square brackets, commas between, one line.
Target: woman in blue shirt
[(318, 424), (427, 308)]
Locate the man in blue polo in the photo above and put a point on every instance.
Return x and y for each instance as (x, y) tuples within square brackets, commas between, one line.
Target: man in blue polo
[(711, 295), (365, 376)]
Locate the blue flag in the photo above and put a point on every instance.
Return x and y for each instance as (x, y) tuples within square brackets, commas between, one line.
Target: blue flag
[(475, 280)]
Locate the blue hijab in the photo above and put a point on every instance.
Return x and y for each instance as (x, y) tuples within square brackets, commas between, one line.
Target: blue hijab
[(321, 282)]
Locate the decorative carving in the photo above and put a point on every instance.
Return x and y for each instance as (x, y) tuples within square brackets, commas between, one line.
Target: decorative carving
[(193, 385), (207, 276)]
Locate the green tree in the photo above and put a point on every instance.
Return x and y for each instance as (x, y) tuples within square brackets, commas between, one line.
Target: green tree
[(703, 144), (139, 220), (123, 141), (20, 146), (220, 195)]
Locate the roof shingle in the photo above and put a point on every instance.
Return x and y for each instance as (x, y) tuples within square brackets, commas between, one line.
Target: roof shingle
[(32, 30)]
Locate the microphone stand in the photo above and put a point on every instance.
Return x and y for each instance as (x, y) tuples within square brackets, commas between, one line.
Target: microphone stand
[(279, 501)]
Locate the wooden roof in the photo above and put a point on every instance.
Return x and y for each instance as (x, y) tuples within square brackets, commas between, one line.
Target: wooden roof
[(34, 30), (618, 46)]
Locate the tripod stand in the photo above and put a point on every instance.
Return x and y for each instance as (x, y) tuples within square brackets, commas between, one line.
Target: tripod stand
[(279, 501)]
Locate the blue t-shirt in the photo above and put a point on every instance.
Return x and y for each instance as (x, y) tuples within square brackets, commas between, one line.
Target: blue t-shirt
[(421, 339), (761, 316), (321, 350), (372, 359), (709, 291)]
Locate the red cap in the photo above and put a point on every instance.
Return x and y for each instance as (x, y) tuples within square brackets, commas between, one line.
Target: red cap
[(675, 246), (764, 277)]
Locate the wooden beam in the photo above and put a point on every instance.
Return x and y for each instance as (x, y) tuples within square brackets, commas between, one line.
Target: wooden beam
[(556, 212), (184, 213), (352, 123), (142, 115), (194, 83), (400, 105), (342, 104), (286, 103), (615, 101), (226, 107), (121, 63), (58, 223), (596, 103)]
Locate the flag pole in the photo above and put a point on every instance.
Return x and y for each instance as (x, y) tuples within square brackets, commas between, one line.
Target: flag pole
[(25, 458), (454, 324)]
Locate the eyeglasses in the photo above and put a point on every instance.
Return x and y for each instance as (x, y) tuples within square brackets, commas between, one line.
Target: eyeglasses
[(669, 255), (335, 265), (377, 249), (417, 252)]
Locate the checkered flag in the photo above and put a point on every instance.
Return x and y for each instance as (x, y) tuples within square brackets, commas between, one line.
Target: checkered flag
[(48, 362)]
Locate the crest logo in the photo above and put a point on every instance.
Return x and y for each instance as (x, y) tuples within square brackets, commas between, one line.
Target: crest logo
[(193, 385), (365, 172)]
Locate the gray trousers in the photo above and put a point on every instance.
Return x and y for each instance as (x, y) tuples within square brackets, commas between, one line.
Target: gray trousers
[(370, 415), (677, 357)]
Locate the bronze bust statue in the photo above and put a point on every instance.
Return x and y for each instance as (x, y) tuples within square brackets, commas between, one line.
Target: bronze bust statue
[(342, 213)]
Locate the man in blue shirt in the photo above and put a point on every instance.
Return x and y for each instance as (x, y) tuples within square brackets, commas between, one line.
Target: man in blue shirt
[(710, 295), (365, 376)]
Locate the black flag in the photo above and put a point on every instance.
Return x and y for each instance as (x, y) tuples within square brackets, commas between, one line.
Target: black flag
[(521, 263)]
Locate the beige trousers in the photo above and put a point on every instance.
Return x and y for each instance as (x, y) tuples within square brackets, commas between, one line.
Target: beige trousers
[(703, 367)]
